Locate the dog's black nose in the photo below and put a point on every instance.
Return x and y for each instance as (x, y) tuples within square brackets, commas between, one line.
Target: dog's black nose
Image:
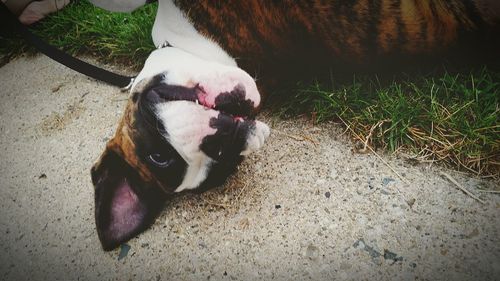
[(235, 103), (230, 138)]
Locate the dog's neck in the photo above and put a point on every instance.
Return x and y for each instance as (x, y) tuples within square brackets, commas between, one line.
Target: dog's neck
[(172, 26)]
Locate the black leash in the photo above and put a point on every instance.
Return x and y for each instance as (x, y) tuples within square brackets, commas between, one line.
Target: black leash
[(10, 22)]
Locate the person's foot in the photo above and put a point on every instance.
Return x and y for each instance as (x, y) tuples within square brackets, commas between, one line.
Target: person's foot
[(37, 10)]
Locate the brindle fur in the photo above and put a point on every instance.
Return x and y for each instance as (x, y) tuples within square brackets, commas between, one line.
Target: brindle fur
[(275, 35), (129, 140)]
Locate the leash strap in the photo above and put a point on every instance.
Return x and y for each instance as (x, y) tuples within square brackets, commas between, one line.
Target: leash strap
[(9, 21)]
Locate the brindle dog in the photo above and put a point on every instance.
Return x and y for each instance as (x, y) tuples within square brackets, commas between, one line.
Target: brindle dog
[(190, 117)]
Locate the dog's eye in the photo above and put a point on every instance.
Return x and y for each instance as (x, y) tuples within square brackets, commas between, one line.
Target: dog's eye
[(161, 160)]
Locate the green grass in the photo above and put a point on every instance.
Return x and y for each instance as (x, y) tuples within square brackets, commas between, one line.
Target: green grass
[(448, 118), (452, 119), (82, 28)]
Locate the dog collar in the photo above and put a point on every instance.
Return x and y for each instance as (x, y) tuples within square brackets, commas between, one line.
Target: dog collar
[(164, 45)]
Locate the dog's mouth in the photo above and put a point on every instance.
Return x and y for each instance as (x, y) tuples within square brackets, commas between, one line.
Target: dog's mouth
[(231, 103)]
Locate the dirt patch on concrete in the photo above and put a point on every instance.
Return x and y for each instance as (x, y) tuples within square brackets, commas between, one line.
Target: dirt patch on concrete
[(58, 121), (304, 207)]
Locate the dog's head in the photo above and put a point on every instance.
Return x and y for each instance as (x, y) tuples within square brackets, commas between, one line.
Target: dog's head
[(186, 125)]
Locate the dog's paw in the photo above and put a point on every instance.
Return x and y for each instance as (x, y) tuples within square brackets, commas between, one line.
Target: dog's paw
[(256, 138)]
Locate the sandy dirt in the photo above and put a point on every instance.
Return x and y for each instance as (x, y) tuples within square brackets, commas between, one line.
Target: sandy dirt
[(301, 208)]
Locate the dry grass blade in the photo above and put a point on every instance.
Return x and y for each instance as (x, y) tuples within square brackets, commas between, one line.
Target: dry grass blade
[(490, 191), (372, 129), (294, 137), (310, 139), (376, 154), (221, 205), (298, 138), (461, 187)]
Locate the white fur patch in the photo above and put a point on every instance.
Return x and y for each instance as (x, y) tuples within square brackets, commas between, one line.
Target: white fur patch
[(256, 138), (187, 124), (172, 26)]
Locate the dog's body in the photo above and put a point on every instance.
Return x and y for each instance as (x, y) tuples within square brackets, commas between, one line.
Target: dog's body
[(283, 38), (189, 119)]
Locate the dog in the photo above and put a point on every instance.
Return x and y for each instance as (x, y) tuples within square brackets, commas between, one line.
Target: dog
[(190, 117)]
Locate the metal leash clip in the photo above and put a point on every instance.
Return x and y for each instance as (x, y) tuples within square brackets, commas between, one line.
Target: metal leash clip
[(129, 85), (164, 45)]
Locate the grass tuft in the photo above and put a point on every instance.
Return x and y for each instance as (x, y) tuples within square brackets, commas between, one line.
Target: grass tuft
[(453, 119), (83, 29)]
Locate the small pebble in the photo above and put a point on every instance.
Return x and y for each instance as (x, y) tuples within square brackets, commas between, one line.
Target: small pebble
[(388, 255), (124, 248), (56, 88), (327, 194), (411, 202), (202, 244), (312, 252), (386, 181)]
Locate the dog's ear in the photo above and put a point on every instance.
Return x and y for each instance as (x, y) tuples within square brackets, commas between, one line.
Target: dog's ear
[(124, 204)]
